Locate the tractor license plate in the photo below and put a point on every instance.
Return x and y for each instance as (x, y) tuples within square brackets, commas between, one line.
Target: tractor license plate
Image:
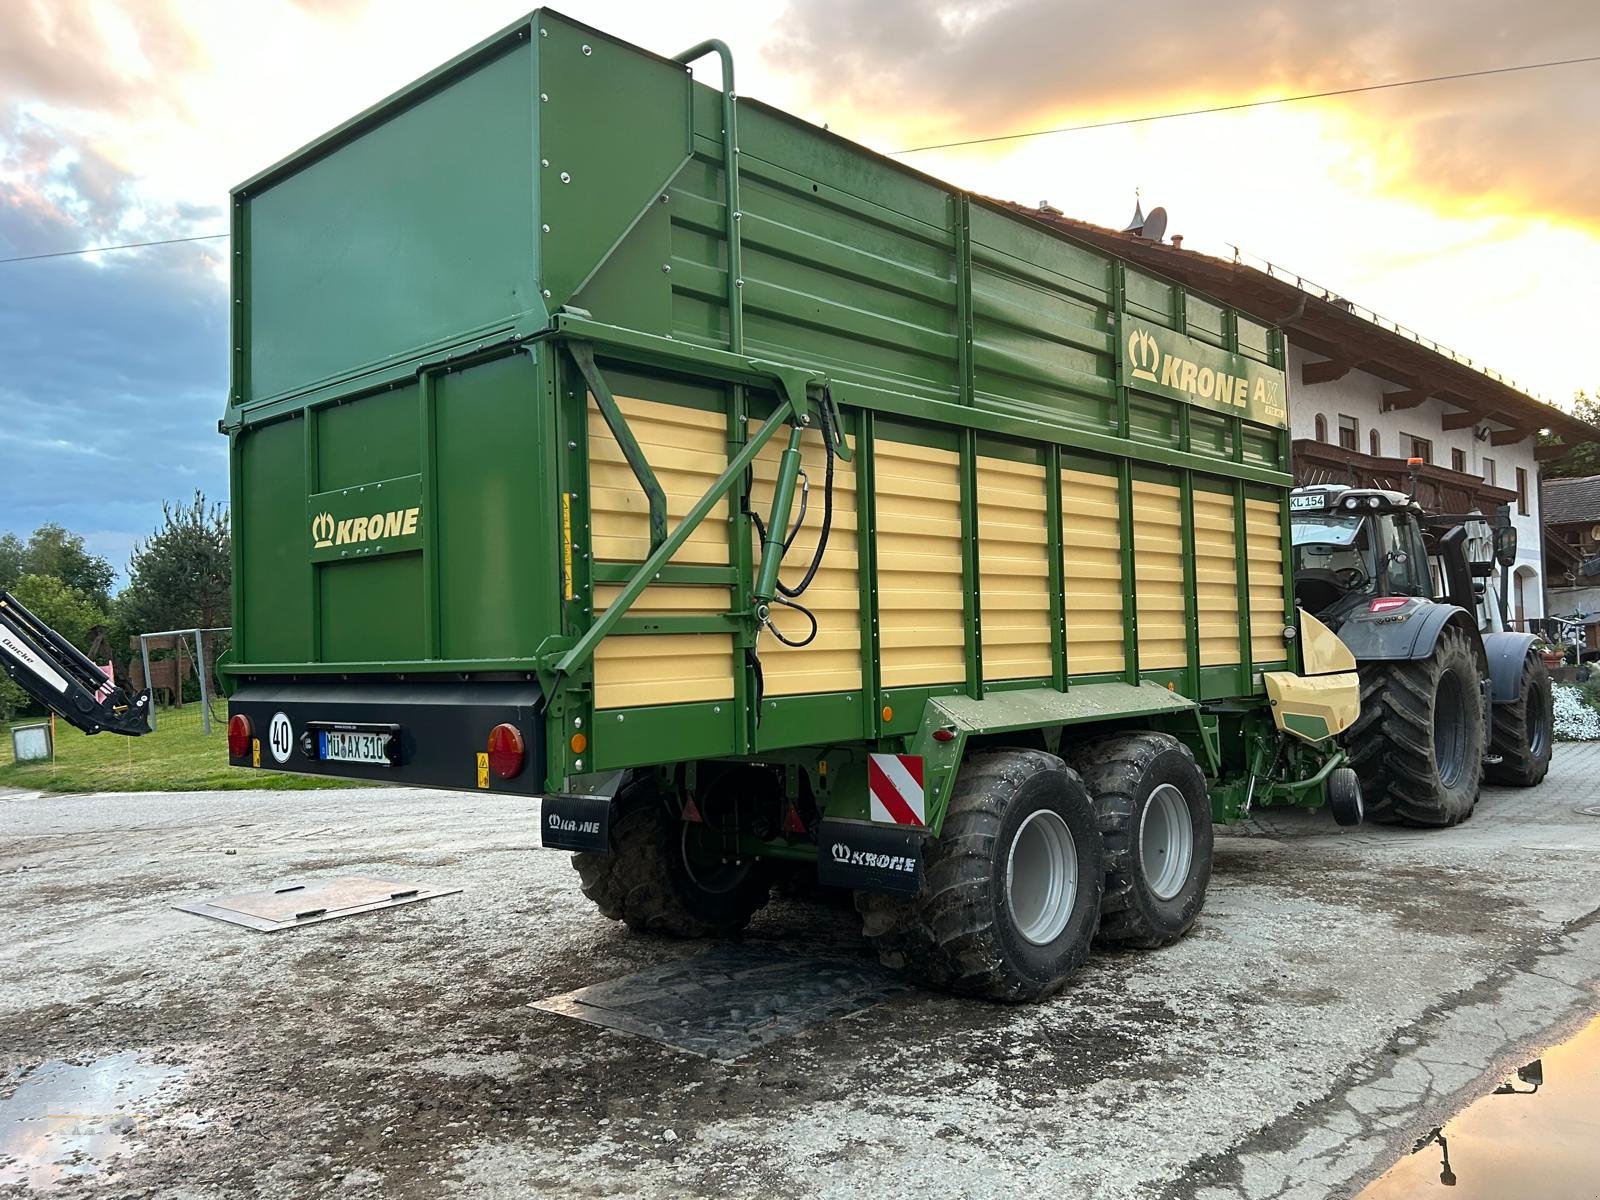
[(340, 746)]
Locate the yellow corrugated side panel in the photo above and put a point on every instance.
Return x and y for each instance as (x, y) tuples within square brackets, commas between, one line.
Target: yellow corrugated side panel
[(921, 640), (687, 448), (1091, 562), (1158, 575), (832, 663), (1216, 577), (1013, 569), (1264, 541)]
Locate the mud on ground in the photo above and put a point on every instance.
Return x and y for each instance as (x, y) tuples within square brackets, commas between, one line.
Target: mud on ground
[(397, 1054)]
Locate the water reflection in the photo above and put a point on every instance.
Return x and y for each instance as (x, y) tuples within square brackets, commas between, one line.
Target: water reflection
[(1536, 1134), (67, 1120)]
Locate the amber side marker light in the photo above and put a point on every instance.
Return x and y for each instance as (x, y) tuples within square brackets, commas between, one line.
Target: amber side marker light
[(507, 751), (239, 735)]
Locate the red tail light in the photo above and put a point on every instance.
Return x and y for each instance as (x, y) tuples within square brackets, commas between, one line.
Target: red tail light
[(507, 752), (239, 736), (1386, 603)]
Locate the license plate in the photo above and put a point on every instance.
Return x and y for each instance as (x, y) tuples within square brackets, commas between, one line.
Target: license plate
[(1308, 502), (340, 746)]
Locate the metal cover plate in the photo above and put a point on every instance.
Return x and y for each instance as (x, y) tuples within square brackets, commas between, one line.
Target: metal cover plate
[(297, 904), (730, 1001)]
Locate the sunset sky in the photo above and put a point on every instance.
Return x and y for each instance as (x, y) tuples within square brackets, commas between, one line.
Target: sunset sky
[(1468, 210)]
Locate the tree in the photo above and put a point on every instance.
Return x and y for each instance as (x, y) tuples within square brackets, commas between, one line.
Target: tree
[(12, 552), (1583, 458), (181, 576), (51, 550), (67, 610)]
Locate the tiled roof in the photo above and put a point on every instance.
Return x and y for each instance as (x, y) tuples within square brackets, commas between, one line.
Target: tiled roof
[(1570, 501)]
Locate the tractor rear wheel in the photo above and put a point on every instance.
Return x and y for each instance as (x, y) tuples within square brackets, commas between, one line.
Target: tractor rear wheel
[(1155, 818), (1010, 897), (1418, 744), (1524, 730), (665, 875)]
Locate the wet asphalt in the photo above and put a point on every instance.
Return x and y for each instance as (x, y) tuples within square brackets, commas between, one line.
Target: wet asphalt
[(1345, 991)]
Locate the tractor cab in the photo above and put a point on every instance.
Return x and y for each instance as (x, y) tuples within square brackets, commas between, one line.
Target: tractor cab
[(1353, 546)]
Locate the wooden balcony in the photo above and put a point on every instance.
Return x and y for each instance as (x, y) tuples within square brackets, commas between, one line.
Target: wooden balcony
[(1439, 489)]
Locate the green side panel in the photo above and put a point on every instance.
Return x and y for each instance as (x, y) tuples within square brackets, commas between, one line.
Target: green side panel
[(498, 575), (371, 609), (368, 439), (1262, 447), (417, 232), (613, 129), (274, 571), (1043, 327)]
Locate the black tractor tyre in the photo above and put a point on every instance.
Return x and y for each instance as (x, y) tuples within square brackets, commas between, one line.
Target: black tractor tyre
[(1418, 744), (1155, 820), (994, 918), (1524, 730), (647, 880), (1344, 797)]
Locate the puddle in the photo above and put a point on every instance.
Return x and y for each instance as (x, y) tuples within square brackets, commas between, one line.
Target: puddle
[(1537, 1134), (66, 1121)]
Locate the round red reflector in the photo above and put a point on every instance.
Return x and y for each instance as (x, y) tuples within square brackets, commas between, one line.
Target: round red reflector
[(506, 751), (239, 735)]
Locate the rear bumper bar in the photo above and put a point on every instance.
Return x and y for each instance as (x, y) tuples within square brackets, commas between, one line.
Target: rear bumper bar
[(441, 729)]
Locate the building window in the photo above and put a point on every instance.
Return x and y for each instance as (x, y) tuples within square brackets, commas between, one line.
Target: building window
[(1322, 428), (1488, 471), (1419, 447), (1458, 461), (1349, 432), (1374, 443), (1522, 492)]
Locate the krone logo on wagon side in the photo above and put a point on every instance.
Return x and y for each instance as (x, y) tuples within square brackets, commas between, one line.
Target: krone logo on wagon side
[(1144, 356)]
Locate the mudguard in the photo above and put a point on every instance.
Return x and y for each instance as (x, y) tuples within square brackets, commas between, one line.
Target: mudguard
[(1507, 652), (1405, 633)]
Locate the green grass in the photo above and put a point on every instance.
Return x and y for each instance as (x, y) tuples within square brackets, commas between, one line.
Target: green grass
[(177, 757)]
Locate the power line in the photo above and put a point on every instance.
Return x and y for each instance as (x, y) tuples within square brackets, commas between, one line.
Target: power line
[(204, 237), (1221, 108)]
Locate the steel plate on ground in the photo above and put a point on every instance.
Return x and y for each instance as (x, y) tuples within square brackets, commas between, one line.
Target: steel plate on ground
[(731, 1000), (299, 904)]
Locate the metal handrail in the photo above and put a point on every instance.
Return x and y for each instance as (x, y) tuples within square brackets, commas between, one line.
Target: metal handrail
[(730, 171)]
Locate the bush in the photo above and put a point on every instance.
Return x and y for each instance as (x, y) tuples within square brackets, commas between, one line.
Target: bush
[(1577, 716)]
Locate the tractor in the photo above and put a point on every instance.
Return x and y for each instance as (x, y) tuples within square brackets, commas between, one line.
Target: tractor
[(1448, 698)]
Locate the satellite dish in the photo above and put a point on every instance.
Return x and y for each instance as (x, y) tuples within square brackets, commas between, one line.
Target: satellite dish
[(1155, 225)]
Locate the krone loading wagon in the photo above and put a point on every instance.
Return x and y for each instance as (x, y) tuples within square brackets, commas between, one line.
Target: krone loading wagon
[(811, 516)]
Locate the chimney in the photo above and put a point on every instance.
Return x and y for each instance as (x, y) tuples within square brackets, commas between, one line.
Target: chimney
[(1177, 241)]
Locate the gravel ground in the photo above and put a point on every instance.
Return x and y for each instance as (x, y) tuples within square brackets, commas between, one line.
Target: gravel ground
[(1343, 991)]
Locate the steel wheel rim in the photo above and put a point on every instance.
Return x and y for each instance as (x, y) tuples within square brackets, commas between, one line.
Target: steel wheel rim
[(1166, 842), (1042, 877), (1538, 723), (1449, 728), (716, 879)]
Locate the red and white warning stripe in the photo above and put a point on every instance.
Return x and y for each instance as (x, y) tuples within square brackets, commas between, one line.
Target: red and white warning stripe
[(894, 782)]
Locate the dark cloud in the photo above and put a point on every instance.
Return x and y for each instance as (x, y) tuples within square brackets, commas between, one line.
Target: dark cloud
[(994, 66)]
